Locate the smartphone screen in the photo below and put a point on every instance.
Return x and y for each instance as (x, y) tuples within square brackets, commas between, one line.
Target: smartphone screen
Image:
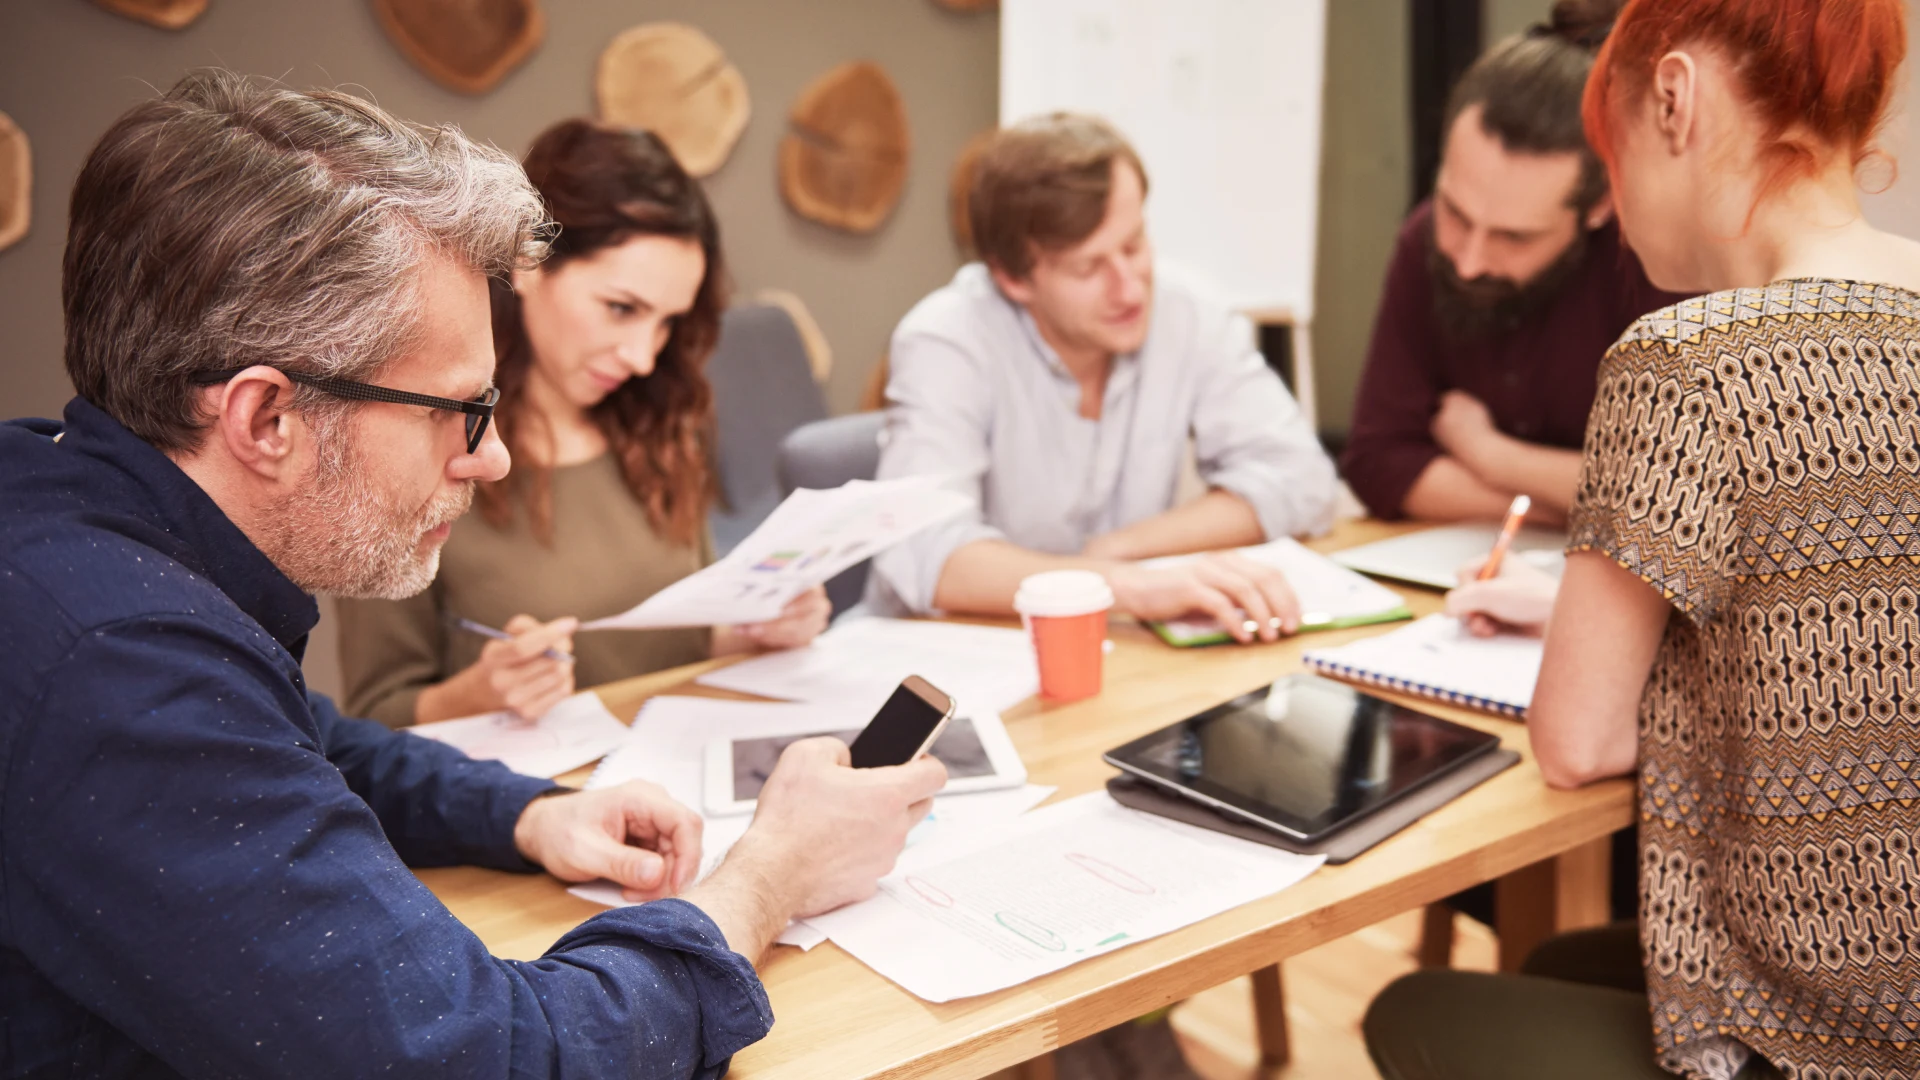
[(902, 726)]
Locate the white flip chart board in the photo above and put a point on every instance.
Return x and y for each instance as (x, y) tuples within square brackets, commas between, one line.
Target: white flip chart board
[(1222, 100)]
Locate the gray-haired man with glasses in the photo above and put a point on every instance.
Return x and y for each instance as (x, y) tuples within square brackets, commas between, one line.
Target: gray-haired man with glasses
[(277, 322)]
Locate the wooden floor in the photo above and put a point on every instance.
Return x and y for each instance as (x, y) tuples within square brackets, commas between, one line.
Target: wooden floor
[(1327, 990)]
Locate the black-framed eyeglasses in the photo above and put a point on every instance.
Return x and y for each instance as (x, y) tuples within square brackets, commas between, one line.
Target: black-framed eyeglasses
[(479, 411)]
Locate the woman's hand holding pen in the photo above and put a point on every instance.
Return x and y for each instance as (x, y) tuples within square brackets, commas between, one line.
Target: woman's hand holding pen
[(1519, 598), (517, 674), (1494, 593)]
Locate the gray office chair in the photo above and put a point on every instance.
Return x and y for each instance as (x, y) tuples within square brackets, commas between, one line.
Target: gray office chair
[(826, 454), (763, 389)]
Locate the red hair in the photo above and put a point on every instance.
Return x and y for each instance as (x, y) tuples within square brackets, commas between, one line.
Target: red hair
[(1822, 67)]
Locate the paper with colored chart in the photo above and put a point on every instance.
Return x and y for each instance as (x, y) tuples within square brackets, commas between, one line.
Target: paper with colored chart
[(857, 664), (808, 538), (577, 731), (1054, 887)]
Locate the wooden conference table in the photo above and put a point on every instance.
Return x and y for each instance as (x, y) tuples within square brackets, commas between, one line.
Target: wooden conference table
[(837, 1020)]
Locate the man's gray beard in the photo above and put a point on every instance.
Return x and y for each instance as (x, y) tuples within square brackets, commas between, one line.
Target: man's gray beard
[(338, 535)]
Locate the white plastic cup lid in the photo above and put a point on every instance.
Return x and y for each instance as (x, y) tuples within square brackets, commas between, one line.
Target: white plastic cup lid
[(1061, 593)]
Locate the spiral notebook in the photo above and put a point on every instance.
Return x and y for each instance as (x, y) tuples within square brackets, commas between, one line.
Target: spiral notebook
[(1437, 658)]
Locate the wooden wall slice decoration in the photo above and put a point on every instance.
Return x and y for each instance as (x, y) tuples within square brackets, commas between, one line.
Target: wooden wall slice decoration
[(843, 161), (16, 182), (165, 14), (674, 81), (464, 45)]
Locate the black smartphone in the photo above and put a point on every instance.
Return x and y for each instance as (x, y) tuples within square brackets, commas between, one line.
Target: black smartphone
[(904, 727)]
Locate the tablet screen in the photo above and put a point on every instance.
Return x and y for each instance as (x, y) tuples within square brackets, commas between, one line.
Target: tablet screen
[(958, 748), (1305, 754)]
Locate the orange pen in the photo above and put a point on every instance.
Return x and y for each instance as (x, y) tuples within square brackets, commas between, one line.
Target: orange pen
[(1516, 513)]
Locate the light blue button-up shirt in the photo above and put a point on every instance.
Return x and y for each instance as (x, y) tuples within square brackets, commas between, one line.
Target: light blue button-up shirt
[(977, 393)]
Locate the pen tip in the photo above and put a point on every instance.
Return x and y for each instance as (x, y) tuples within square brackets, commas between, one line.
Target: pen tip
[(1522, 504)]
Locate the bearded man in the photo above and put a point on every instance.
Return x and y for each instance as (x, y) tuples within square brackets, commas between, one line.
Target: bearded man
[(1504, 292)]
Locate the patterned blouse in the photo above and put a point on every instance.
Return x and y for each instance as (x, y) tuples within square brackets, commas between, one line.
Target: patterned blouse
[(1755, 455)]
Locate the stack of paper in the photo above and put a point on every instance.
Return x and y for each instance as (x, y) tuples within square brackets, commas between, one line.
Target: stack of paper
[(1437, 657), (857, 664), (576, 732), (1052, 888), (807, 539), (1331, 596)]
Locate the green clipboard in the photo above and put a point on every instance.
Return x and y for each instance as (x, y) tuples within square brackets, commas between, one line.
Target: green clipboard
[(1172, 636)]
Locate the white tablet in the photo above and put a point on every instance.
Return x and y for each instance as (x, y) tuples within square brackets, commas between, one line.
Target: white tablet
[(1433, 557), (975, 749)]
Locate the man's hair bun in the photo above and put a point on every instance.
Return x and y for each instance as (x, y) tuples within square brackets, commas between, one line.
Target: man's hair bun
[(1584, 23)]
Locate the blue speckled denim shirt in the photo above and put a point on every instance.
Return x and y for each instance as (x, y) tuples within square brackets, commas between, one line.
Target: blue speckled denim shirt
[(203, 866)]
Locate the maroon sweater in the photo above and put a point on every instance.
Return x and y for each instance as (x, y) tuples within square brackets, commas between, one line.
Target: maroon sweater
[(1538, 381)]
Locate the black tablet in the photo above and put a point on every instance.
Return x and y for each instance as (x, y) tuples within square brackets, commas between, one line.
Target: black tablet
[(1303, 756)]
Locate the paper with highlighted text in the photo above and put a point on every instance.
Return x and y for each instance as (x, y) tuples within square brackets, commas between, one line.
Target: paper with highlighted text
[(1047, 890)]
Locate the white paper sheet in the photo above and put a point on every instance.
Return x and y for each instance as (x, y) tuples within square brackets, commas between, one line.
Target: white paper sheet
[(808, 538), (954, 817), (1045, 891), (1329, 594), (857, 664), (577, 731), (667, 746)]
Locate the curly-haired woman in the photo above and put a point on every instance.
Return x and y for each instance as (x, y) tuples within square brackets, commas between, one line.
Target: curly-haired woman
[(607, 412)]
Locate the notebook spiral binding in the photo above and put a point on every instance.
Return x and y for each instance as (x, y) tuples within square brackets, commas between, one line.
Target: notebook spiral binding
[(1351, 673)]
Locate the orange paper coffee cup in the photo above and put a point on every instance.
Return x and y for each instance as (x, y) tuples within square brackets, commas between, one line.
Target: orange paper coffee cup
[(1066, 615)]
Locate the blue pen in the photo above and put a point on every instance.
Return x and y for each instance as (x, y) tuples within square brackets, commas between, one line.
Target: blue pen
[(498, 635)]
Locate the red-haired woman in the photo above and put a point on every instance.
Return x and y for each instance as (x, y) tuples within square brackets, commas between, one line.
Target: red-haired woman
[(1738, 626), (607, 412)]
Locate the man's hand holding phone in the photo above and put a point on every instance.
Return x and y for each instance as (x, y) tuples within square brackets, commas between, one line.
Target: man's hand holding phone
[(866, 797), (840, 828), (824, 832)]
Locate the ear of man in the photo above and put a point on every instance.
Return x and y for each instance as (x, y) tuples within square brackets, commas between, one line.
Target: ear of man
[(255, 424)]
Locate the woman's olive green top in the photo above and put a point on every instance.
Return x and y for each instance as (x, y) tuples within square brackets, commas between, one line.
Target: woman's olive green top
[(605, 558)]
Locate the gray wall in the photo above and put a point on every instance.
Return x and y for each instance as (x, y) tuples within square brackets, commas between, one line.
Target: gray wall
[(68, 67), (1364, 187), (1499, 18), (1895, 206)]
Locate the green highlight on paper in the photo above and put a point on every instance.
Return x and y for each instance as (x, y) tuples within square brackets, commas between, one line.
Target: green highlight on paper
[(1108, 941)]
